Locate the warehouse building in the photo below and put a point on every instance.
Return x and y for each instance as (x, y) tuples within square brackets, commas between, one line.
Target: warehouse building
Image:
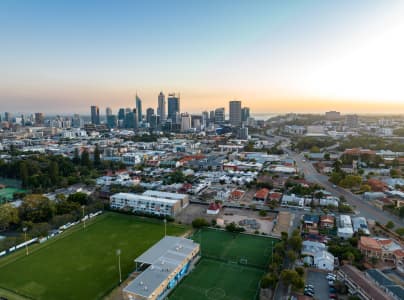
[(164, 265)]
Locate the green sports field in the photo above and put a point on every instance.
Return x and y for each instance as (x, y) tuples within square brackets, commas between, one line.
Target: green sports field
[(231, 267), (213, 280), (252, 250), (82, 263)]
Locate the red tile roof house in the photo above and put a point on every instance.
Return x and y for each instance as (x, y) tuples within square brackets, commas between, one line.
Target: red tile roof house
[(377, 185), (261, 195), (214, 208), (384, 249)]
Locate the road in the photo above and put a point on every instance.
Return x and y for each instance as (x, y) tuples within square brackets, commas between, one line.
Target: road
[(362, 207)]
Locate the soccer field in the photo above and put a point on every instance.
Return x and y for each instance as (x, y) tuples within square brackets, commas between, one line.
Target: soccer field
[(213, 280), (82, 263), (246, 249), (231, 267)]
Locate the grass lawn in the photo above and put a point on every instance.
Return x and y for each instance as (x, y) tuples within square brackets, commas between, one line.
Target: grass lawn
[(82, 263), (227, 246), (215, 280)]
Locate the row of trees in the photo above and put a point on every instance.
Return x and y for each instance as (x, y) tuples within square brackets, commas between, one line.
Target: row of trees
[(41, 173), (290, 248), (37, 209)]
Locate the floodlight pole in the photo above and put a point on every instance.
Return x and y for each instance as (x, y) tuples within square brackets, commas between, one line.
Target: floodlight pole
[(118, 253), (272, 250), (84, 220), (165, 227), (25, 238)]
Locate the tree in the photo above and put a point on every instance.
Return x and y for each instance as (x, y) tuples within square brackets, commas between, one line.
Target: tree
[(299, 271), (85, 159), (292, 277), (295, 243), (97, 157), (36, 208), (390, 225), (78, 197), (53, 172), (24, 174), (400, 231), (76, 157), (269, 281), (199, 223), (8, 216), (291, 255), (327, 156)]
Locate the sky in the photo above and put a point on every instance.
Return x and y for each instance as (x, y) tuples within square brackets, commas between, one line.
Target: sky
[(275, 56)]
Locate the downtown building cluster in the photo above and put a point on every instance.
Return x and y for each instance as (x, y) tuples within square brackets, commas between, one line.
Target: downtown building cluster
[(169, 117)]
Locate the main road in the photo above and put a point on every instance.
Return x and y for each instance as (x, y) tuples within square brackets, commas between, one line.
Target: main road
[(362, 207)]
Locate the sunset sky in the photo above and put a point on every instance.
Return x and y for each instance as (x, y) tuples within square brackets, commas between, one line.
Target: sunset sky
[(275, 56)]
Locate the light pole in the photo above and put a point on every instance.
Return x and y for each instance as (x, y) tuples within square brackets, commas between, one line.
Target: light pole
[(272, 250), (118, 253), (165, 227), (84, 220), (25, 237)]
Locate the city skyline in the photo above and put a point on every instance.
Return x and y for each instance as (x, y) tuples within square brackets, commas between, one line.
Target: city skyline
[(278, 57)]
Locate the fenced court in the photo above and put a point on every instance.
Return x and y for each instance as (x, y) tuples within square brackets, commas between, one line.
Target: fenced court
[(231, 267), (213, 280), (243, 249)]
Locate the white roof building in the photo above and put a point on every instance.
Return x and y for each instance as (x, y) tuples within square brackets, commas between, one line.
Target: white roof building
[(324, 260)]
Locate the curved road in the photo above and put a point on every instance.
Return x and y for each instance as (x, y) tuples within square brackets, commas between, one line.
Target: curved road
[(363, 207)]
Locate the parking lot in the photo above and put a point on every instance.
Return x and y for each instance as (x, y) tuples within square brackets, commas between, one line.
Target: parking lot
[(320, 283)]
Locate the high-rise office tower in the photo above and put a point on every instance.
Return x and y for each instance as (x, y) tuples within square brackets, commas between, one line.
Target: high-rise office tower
[(39, 118), (121, 114), (235, 112), (149, 114), (111, 119), (76, 121), (205, 118), (219, 115), (108, 111), (161, 107), (139, 108), (245, 114), (212, 116), (95, 115), (185, 122), (7, 116), (173, 106)]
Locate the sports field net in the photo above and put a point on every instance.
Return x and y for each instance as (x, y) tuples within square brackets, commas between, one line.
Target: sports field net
[(235, 248)]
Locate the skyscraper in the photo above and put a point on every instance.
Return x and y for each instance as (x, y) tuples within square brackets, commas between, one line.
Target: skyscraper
[(149, 114), (39, 118), (108, 111), (111, 119), (139, 108), (161, 107), (245, 114), (95, 115), (173, 106), (185, 122), (219, 115), (235, 112)]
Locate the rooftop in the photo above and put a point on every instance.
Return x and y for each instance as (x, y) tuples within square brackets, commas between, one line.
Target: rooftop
[(163, 258)]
